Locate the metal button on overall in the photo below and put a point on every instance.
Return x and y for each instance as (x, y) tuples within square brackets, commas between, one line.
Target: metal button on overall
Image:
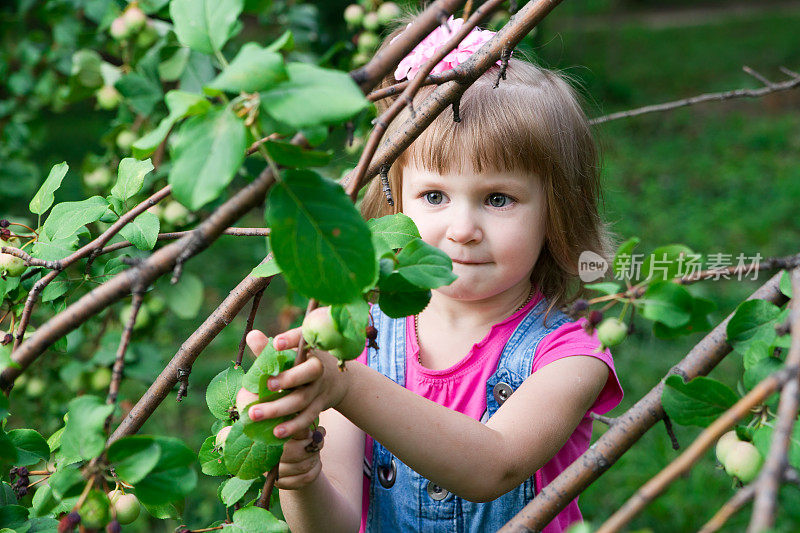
[(436, 492), (501, 392), (387, 474)]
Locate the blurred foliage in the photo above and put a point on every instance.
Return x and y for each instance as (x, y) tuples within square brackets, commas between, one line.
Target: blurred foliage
[(718, 177)]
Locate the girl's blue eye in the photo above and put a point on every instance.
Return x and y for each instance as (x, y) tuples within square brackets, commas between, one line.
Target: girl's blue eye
[(498, 200), (434, 197)]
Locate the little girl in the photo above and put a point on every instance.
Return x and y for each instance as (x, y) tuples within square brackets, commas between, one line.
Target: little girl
[(467, 410)]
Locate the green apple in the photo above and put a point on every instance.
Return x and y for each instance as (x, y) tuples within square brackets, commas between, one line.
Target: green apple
[(142, 317), (320, 331), (388, 12), (125, 140), (35, 387), (219, 442), (353, 14), (108, 97), (724, 445), (175, 213), (371, 22), (11, 265), (368, 42), (95, 510), (134, 18), (743, 461), (99, 178), (612, 331), (126, 506), (100, 379), (119, 29)]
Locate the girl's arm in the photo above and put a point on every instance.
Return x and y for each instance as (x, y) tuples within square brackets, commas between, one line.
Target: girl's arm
[(332, 502), (475, 461)]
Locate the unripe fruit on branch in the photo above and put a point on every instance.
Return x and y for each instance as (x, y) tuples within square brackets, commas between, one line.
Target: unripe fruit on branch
[(724, 445), (99, 178), (119, 29), (134, 18), (353, 14), (175, 213), (95, 510), (611, 332), (367, 42), (11, 265), (108, 97), (222, 435), (35, 387), (371, 22), (320, 331), (142, 317), (743, 461), (100, 379), (388, 12), (125, 140), (126, 506)]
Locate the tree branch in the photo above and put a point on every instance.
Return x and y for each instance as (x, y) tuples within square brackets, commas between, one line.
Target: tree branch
[(633, 424)]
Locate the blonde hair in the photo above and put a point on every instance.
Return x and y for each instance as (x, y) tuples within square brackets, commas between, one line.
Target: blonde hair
[(533, 123)]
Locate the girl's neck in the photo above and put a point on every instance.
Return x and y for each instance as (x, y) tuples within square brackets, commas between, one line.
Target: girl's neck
[(454, 314)]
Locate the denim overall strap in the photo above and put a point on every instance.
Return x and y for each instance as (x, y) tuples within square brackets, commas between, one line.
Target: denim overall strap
[(401, 499)]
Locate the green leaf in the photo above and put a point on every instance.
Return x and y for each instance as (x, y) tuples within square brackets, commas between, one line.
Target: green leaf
[(7, 494), (205, 25), (210, 458), (134, 457), (44, 197), (54, 249), (786, 284), (185, 297), (668, 303), (246, 458), (398, 304), (221, 392), (180, 104), (424, 266), (141, 92), (291, 155), (606, 288), (697, 403), (142, 231), (173, 476), (68, 217), (756, 351), (396, 230), (320, 241), (760, 371), (14, 517), (284, 42), (3, 406), (270, 362), (162, 511), (253, 69), (753, 320), (267, 267), (666, 262), (130, 177), (233, 489), (351, 321), (762, 439), (256, 520), (208, 151), (66, 482), (623, 260), (31, 447), (8, 452), (314, 95), (701, 307), (84, 436)]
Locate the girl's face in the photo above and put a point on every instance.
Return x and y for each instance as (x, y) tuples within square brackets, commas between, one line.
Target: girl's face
[(490, 224)]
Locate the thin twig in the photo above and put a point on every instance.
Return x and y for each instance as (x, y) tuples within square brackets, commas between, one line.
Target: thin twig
[(249, 326), (763, 516), (709, 97), (171, 236)]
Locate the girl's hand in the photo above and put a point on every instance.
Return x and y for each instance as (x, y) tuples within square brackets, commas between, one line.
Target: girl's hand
[(316, 385), (300, 463)]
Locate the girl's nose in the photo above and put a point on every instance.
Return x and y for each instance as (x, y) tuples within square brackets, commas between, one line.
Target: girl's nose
[(464, 228)]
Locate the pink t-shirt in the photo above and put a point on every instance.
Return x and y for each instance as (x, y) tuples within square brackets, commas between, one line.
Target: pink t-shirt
[(462, 388)]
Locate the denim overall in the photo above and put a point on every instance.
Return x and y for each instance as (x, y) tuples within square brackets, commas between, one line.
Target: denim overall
[(402, 500)]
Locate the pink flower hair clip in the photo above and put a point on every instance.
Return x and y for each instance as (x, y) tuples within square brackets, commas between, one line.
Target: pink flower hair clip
[(425, 50)]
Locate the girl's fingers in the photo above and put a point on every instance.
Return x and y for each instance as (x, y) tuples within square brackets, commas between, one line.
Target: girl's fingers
[(294, 451), (295, 401), (288, 339), (301, 374), (298, 481), (256, 341), (302, 420)]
